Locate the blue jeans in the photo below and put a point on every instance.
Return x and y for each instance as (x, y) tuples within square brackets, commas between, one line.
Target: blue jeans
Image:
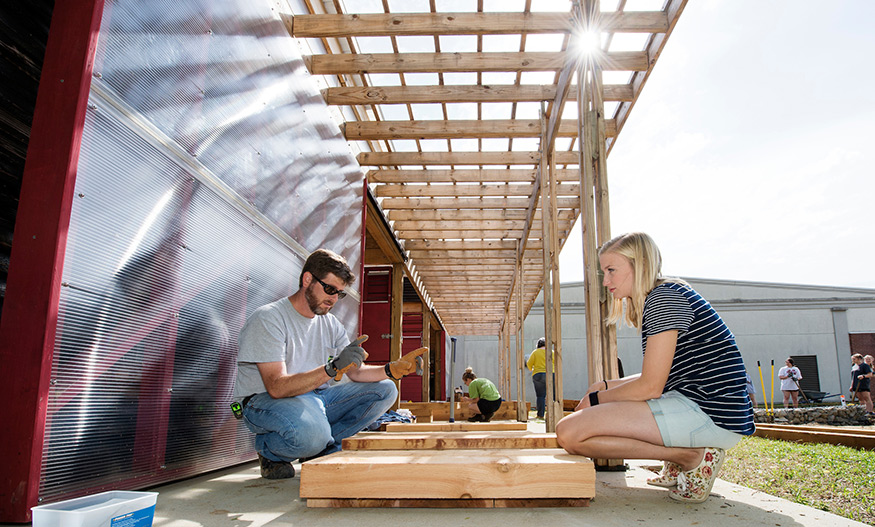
[(540, 382), (314, 423)]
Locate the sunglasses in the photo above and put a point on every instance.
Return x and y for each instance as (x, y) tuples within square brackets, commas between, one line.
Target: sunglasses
[(331, 290)]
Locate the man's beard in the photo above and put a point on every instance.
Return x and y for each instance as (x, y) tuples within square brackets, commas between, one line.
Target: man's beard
[(314, 305)]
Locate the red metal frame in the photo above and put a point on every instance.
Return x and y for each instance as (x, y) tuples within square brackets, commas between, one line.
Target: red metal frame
[(27, 333)]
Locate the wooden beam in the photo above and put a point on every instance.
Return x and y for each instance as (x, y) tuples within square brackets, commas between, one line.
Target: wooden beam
[(456, 129), (468, 203), (459, 235), (443, 260), (518, 175), (469, 276), (441, 225), (452, 190), (361, 63), (380, 236), (449, 440), (460, 158), (366, 95), (504, 245), (462, 253), (469, 226), (454, 215), (455, 176), (398, 24)]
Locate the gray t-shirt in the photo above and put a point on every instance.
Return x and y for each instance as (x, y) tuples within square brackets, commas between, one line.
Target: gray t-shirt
[(277, 332)]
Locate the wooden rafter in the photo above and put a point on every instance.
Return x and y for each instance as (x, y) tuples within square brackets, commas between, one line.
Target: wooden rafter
[(462, 62), (407, 24), (458, 94), (471, 222), (456, 129), (460, 158)]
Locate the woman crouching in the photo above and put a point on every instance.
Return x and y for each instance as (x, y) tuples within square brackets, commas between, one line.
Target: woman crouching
[(688, 404)]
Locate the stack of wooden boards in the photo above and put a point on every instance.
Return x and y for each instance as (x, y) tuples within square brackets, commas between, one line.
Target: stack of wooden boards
[(440, 411), (461, 464)]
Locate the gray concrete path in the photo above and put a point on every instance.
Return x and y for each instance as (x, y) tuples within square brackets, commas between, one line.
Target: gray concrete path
[(239, 497)]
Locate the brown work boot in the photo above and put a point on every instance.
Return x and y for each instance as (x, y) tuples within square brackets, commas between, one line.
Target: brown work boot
[(275, 469), (476, 418)]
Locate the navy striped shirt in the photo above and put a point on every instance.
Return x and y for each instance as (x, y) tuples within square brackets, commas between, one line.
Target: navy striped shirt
[(707, 366)]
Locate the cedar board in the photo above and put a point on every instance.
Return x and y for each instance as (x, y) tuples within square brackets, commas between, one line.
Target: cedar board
[(449, 474), (448, 504), (441, 410), (448, 440), (455, 427)]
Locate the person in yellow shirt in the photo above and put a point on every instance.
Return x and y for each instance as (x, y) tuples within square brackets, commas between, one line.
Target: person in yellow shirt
[(537, 364)]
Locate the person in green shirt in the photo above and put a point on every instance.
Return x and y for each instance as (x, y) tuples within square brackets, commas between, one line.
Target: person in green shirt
[(483, 397)]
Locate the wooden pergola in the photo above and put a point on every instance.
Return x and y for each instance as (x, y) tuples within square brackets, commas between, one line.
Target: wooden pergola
[(484, 137)]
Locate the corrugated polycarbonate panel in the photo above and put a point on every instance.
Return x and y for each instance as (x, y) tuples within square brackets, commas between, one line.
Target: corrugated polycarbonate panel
[(208, 167)]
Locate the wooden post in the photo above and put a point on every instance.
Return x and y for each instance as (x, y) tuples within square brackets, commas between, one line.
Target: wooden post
[(547, 289), (603, 220), (601, 341), (427, 358), (522, 414), (592, 285), (556, 317), (500, 383), (510, 363), (397, 314)]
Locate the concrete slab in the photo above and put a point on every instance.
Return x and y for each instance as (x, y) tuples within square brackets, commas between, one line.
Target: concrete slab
[(240, 497)]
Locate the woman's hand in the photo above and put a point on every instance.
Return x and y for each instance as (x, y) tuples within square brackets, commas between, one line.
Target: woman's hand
[(596, 386)]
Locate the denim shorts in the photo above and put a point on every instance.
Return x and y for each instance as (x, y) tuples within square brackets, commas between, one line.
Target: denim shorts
[(683, 424)]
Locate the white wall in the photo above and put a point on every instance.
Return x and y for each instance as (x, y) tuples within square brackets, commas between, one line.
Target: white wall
[(770, 322)]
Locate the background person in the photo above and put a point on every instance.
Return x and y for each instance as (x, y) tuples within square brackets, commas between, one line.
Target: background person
[(861, 374), (537, 364), (483, 397), (689, 403), (790, 376), (751, 391), (283, 372)]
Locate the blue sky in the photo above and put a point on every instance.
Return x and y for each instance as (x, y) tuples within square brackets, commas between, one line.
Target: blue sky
[(748, 154)]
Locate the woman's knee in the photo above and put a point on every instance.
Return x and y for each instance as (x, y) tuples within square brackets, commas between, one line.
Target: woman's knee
[(567, 435)]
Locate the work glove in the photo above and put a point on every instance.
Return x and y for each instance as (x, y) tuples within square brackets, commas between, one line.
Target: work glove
[(350, 357), (407, 364)]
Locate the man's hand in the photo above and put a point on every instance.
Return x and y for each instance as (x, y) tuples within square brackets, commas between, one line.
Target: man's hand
[(350, 357), (407, 364)]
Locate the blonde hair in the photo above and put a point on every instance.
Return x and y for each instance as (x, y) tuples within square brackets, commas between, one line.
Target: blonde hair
[(469, 374), (644, 256)]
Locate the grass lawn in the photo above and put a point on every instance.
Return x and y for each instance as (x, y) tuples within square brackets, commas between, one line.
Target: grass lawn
[(837, 479)]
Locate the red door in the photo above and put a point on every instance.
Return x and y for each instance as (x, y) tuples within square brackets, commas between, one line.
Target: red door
[(411, 332), (377, 313)]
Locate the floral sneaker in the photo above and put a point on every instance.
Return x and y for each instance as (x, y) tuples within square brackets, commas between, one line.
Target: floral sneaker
[(694, 486), (668, 477)]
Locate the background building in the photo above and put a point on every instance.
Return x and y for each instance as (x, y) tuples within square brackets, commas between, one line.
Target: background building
[(820, 327)]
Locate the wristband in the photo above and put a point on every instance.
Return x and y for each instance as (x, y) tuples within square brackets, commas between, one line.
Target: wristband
[(606, 384), (388, 371), (594, 399)]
